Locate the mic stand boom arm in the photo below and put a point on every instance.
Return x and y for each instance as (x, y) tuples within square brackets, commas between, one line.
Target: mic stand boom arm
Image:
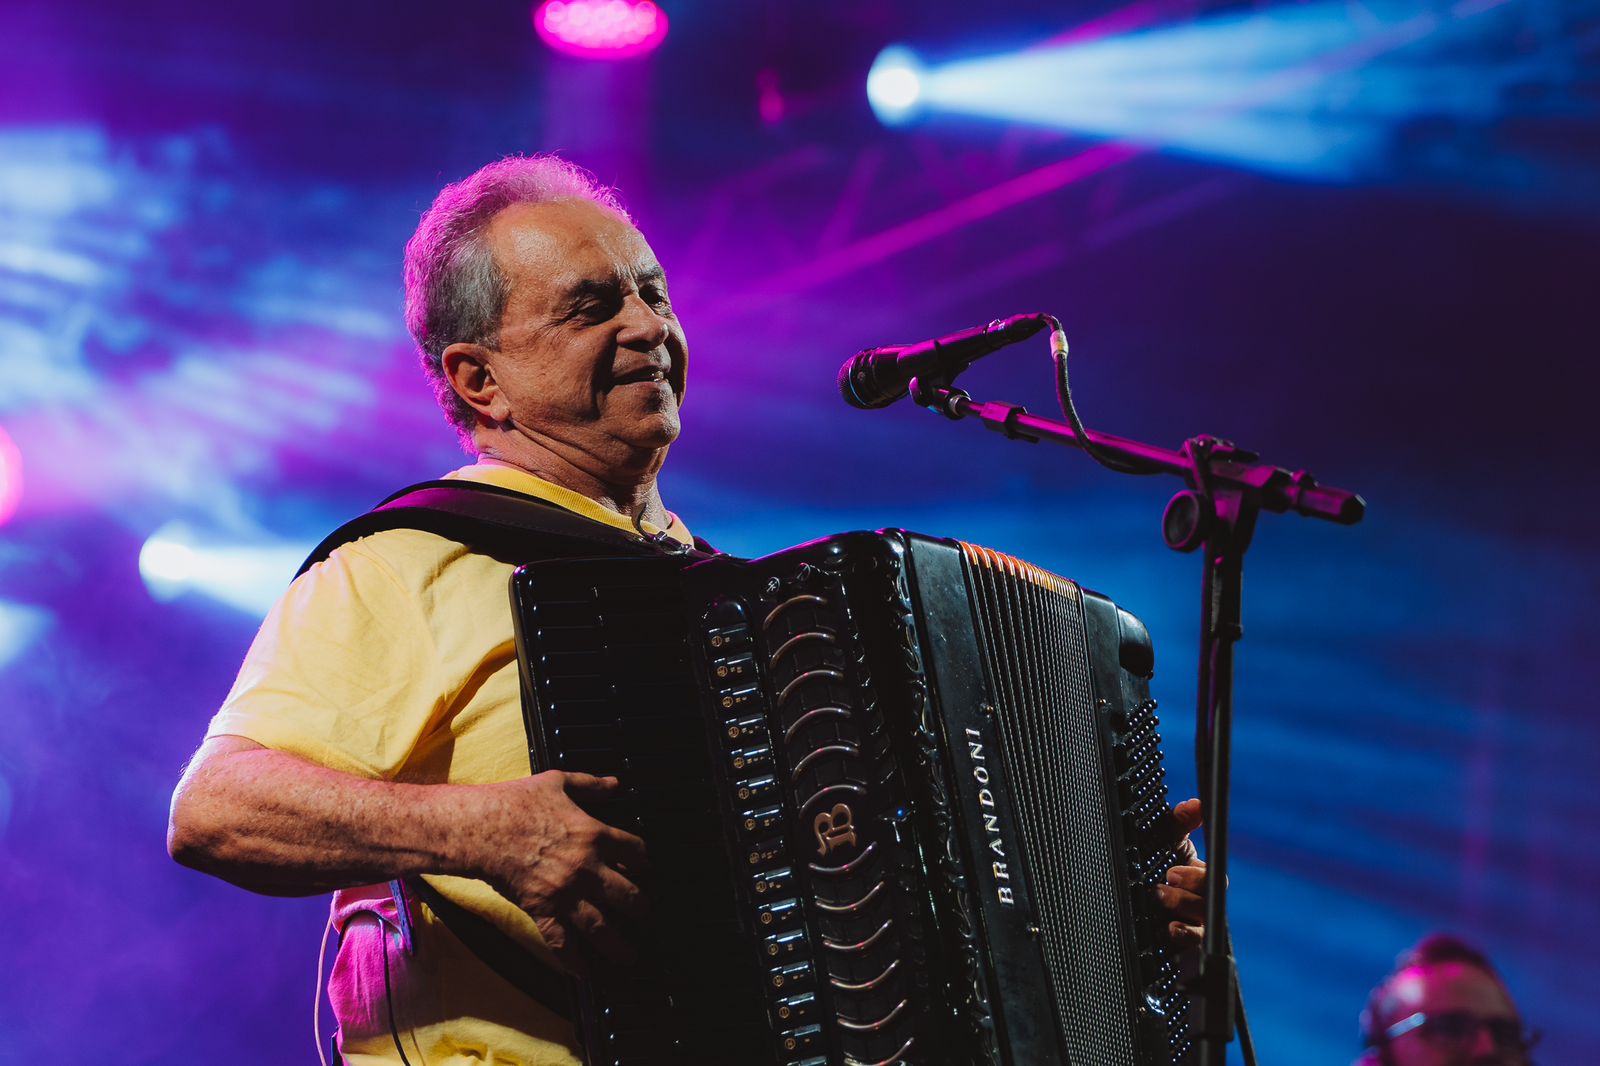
[(1227, 490)]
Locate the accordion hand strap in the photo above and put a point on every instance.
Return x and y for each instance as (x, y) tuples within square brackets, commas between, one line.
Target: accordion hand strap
[(528, 974)]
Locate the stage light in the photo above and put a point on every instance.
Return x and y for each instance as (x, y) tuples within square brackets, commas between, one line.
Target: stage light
[(247, 576), (894, 85), (600, 29), (1306, 90), (10, 477)]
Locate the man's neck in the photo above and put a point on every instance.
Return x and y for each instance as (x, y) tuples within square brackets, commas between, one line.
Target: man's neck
[(642, 497)]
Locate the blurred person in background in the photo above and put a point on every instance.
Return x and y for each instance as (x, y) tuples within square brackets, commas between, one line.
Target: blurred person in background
[(1443, 1005)]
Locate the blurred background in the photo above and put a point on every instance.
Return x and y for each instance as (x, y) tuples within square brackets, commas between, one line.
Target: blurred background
[(1357, 237)]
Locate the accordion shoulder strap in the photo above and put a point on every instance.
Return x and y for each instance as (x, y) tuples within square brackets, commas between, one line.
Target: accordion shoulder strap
[(518, 528), (488, 519)]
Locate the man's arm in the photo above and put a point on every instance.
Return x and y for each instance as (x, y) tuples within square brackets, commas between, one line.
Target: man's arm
[(278, 824)]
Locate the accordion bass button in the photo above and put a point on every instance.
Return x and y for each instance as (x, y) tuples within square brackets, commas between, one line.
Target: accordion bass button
[(785, 945), (778, 913), (774, 883), (764, 820), (764, 851), (733, 669), (739, 699), (795, 1010), (803, 1040), (757, 789), (726, 627), (746, 731), (751, 760), (791, 978)]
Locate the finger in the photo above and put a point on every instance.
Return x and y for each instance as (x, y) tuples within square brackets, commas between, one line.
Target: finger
[(618, 895), (559, 939), (1189, 815), (600, 935), (622, 849), (580, 785), (1181, 903), (1191, 877), (1174, 828), (1186, 936)]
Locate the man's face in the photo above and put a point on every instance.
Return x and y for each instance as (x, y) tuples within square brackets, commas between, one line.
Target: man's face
[(1443, 990), (591, 359)]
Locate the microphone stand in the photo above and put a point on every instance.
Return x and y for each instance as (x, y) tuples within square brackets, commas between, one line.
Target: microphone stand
[(1227, 490)]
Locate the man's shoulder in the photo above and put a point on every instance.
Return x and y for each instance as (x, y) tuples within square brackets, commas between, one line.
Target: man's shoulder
[(410, 558), (396, 578)]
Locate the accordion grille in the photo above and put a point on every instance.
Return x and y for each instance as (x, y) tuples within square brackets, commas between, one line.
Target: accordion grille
[(1032, 627)]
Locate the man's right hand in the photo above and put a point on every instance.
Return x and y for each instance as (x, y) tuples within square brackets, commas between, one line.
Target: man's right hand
[(573, 874), (276, 823)]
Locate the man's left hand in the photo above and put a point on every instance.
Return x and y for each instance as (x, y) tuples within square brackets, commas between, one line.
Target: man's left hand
[(1183, 896)]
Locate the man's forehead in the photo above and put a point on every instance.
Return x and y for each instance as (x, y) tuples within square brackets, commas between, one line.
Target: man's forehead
[(569, 242), (1451, 985)]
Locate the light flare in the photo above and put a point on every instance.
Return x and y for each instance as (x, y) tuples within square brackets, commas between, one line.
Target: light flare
[(601, 29)]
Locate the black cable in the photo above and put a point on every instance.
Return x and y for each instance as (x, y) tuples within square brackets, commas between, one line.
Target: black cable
[(388, 993), (1207, 710), (1058, 353)]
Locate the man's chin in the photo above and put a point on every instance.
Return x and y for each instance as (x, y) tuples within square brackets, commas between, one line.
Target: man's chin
[(654, 433)]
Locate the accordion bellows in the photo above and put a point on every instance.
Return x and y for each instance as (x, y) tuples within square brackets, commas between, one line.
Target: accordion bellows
[(903, 798)]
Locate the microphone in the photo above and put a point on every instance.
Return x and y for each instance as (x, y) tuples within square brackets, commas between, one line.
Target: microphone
[(877, 377)]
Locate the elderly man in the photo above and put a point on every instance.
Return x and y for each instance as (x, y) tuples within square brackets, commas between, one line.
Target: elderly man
[(375, 731), (1443, 1005)]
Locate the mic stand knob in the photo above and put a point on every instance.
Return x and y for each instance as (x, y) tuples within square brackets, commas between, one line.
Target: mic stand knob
[(937, 396)]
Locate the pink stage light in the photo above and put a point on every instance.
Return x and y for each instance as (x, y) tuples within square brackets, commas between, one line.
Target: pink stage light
[(600, 29), (10, 477)]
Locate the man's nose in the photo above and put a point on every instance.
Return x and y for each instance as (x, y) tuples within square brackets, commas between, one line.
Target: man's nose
[(1485, 1050), (645, 328)]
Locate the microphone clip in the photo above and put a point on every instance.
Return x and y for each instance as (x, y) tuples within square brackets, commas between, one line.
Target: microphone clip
[(940, 397)]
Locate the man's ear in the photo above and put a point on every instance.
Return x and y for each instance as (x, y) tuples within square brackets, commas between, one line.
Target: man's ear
[(466, 366)]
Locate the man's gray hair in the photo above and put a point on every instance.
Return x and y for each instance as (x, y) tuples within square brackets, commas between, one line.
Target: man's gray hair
[(454, 289)]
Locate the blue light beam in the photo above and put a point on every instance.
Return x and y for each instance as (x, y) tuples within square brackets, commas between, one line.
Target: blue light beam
[(1322, 91), (248, 577)]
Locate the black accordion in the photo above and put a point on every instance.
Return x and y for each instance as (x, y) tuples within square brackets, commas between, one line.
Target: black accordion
[(903, 798)]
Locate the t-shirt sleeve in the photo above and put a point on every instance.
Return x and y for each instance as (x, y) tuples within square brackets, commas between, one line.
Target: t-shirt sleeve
[(343, 671)]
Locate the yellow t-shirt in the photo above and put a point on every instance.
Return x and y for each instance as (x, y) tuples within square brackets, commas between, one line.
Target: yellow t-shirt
[(395, 659)]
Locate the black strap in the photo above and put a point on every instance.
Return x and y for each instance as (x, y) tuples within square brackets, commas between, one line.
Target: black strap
[(517, 528), (523, 971), (489, 519)]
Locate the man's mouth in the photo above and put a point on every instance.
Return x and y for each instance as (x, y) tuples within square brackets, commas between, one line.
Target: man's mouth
[(643, 374)]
